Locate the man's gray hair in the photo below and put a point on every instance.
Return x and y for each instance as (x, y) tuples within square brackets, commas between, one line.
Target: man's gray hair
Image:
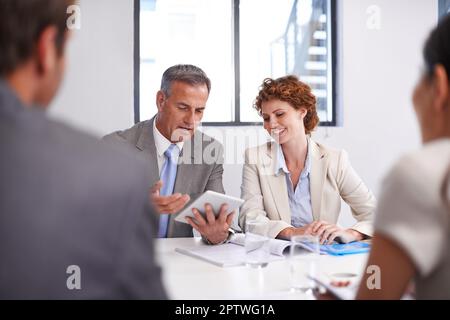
[(184, 73)]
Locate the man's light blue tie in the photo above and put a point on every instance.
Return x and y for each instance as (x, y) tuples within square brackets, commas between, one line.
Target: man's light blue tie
[(168, 175)]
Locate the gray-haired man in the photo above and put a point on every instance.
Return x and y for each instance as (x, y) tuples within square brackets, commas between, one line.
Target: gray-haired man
[(170, 137)]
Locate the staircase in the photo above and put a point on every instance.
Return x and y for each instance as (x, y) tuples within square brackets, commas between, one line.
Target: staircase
[(305, 48)]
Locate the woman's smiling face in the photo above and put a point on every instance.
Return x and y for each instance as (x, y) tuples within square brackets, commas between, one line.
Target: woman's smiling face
[(282, 121)]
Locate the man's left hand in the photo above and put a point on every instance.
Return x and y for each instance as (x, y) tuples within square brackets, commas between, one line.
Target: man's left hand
[(215, 230)]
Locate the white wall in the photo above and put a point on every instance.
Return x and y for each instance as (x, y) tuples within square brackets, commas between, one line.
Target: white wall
[(97, 94), (379, 69)]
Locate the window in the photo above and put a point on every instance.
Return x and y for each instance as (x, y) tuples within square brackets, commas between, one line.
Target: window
[(238, 43), (444, 7)]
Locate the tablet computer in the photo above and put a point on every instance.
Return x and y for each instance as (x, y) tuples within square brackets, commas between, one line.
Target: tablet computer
[(215, 199)]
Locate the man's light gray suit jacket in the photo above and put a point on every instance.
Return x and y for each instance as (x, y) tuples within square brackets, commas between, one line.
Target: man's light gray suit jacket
[(200, 165)]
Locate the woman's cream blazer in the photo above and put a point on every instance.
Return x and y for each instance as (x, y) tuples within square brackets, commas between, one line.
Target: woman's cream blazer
[(332, 179)]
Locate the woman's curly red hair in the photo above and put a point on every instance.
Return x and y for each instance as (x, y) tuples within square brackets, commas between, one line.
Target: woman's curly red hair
[(291, 90)]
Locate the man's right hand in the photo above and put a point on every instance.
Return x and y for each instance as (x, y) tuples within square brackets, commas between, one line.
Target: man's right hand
[(167, 204)]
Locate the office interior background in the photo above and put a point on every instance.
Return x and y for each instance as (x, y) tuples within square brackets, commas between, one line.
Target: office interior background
[(377, 65)]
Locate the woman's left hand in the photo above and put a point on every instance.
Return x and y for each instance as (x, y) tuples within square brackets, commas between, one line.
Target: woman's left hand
[(328, 232)]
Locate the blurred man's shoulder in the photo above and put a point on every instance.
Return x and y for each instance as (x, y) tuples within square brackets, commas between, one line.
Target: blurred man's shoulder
[(130, 135), (87, 154)]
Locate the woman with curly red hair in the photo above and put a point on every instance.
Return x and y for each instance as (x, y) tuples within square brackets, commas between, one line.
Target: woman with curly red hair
[(294, 182)]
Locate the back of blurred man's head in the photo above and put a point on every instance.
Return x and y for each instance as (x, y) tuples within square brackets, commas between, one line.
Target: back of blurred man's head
[(33, 36)]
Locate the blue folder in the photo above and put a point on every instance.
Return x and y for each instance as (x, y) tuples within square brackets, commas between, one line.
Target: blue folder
[(339, 249)]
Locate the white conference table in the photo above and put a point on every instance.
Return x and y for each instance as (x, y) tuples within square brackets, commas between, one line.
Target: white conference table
[(188, 278)]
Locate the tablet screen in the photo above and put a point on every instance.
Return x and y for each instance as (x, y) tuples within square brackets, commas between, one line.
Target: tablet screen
[(215, 199)]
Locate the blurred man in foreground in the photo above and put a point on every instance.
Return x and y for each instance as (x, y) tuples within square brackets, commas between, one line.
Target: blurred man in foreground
[(73, 224)]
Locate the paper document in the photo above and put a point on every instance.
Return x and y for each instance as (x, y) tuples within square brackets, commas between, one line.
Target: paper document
[(233, 253), (279, 247), (224, 255), (276, 246)]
